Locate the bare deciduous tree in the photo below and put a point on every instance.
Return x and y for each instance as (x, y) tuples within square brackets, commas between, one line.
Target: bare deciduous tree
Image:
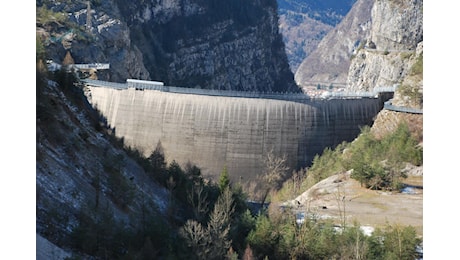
[(212, 242), (219, 224), (199, 201), (297, 178), (340, 197), (274, 174), (197, 238)]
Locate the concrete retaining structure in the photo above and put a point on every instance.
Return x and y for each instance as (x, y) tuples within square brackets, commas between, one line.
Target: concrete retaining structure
[(214, 131)]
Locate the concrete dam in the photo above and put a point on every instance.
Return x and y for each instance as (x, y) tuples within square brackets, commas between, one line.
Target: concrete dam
[(237, 132)]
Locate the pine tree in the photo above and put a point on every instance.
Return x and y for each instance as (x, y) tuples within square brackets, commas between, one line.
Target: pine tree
[(224, 180)]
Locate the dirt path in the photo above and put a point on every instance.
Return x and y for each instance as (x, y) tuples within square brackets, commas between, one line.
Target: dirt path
[(340, 194)]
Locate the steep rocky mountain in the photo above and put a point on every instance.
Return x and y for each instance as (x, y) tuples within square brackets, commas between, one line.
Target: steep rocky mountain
[(234, 45), (304, 23), (81, 175), (393, 56), (393, 46), (330, 61)]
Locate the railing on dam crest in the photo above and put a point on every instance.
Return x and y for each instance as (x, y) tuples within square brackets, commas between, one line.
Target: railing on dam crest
[(298, 97), (389, 106)]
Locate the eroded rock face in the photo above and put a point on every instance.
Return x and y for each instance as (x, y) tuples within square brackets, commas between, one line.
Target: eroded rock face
[(105, 40), (209, 44), (393, 55), (397, 24), (231, 45), (390, 52), (372, 68)]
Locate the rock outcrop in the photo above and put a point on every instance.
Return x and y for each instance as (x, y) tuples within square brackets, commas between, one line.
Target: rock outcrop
[(397, 24), (393, 55), (390, 50), (106, 40)]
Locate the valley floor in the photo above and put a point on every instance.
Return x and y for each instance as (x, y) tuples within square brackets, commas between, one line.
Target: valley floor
[(340, 195)]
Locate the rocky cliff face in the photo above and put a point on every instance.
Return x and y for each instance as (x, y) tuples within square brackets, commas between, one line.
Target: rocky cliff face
[(397, 24), (232, 45), (106, 40), (390, 51), (191, 43), (330, 61), (81, 174), (393, 55), (409, 94)]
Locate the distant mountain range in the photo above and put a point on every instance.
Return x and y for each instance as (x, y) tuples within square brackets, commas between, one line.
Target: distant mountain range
[(329, 62), (303, 24)]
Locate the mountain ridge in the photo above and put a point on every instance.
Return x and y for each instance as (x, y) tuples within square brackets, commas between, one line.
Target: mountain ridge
[(330, 61), (303, 25)]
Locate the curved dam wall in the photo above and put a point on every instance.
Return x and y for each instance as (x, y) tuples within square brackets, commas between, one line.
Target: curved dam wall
[(215, 131)]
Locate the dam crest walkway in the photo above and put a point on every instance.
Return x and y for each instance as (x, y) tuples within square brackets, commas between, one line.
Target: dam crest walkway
[(286, 96)]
